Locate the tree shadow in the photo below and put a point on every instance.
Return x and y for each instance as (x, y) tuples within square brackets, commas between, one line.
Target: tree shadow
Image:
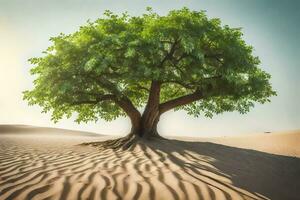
[(262, 174)]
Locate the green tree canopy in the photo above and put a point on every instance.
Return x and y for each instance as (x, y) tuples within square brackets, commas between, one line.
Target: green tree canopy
[(120, 64)]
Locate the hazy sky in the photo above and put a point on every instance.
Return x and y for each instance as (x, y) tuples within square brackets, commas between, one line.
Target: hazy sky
[(272, 27)]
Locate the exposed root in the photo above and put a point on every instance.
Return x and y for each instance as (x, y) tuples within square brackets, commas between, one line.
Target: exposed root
[(121, 143)]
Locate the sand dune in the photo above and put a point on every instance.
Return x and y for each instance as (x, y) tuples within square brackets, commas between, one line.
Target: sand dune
[(46, 167), (26, 129)]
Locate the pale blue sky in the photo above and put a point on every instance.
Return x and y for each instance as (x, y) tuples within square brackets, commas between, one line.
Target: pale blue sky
[(272, 27)]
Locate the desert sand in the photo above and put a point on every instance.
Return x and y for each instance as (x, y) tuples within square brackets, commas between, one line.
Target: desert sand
[(42, 163)]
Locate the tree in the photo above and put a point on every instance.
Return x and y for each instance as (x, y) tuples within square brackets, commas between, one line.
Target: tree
[(118, 65)]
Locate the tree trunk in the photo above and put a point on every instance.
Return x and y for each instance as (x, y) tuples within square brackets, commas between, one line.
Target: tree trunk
[(146, 125), (143, 126)]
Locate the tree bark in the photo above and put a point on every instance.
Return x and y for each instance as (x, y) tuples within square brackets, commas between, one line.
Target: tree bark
[(180, 101), (146, 125)]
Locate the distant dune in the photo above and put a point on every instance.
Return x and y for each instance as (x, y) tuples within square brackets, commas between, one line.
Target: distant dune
[(26, 129), (34, 166)]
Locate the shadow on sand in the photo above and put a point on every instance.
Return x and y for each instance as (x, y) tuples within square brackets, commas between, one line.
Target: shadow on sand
[(262, 174)]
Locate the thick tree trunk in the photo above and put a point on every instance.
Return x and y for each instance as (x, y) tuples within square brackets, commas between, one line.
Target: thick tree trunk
[(146, 125), (143, 126)]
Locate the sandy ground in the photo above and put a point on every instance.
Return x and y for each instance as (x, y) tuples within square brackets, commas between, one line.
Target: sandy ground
[(42, 164)]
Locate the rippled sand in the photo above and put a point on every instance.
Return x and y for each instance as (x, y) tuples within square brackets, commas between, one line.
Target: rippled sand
[(48, 166)]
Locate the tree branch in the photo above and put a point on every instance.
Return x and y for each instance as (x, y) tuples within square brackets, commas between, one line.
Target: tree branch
[(154, 93), (214, 56), (180, 101), (128, 108), (84, 102), (190, 86), (166, 41), (117, 96), (123, 101), (98, 99), (151, 112), (184, 55), (170, 53), (178, 83), (139, 86)]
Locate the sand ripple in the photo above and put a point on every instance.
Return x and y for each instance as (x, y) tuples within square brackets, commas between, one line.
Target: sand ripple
[(58, 169)]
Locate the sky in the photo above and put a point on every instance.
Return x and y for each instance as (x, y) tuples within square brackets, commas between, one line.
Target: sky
[(270, 26)]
